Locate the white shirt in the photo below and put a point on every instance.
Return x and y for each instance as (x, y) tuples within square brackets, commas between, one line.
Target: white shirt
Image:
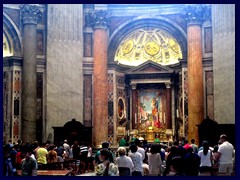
[(67, 149), (154, 163), (205, 159), (142, 151), (89, 152), (124, 161), (226, 149), (137, 161)]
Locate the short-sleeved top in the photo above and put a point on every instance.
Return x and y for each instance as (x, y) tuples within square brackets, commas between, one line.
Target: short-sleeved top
[(41, 154), (98, 161), (142, 151), (101, 168), (52, 156), (124, 161), (137, 161), (27, 166), (195, 148), (84, 150), (154, 162), (205, 159), (226, 149)]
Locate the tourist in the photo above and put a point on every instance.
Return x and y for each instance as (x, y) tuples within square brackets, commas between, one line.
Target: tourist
[(106, 168), (206, 159), (96, 161), (225, 155), (137, 160), (194, 146), (28, 165), (42, 156), (124, 162), (154, 161), (191, 163)]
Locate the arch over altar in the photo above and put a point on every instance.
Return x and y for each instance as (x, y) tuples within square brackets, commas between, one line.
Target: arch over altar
[(151, 101)]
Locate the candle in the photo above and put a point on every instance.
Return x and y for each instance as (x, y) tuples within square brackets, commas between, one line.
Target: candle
[(164, 118), (128, 132), (135, 118), (177, 113)]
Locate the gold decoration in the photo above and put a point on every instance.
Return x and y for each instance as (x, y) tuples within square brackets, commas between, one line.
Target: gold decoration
[(6, 47), (152, 48), (148, 44), (128, 46)]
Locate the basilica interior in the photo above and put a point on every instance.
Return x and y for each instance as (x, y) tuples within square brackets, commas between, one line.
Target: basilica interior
[(100, 72)]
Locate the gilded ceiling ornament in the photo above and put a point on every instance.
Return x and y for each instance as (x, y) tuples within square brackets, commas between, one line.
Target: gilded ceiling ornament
[(152, 48), (148, 44), (128, 46)]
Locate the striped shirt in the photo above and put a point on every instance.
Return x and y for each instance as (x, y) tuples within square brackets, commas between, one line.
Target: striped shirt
[(83, 149)]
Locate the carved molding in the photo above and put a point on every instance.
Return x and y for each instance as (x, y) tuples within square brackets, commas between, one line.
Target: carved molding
[(194, 14), (168, 85), (30, 14), (134, 86), (100, 19), (207, 13)]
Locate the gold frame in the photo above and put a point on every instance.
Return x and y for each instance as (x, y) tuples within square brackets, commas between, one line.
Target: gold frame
[(123, 108), (121, 131)]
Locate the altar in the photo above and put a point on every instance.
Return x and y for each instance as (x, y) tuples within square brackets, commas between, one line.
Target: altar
[(147, 131)]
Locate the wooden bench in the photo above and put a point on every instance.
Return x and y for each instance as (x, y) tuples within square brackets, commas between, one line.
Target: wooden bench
[(50, 172)]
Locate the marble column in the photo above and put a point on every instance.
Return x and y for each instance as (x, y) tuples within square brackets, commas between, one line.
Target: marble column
[(30, 15), (168, 107), (100, 82), (195, 71)]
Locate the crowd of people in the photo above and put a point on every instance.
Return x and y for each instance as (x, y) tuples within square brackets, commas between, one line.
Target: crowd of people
[(139, 158), (29, 157), (156, 159)]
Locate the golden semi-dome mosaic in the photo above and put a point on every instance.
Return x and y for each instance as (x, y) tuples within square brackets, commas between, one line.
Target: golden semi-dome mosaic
[(148, 44)]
